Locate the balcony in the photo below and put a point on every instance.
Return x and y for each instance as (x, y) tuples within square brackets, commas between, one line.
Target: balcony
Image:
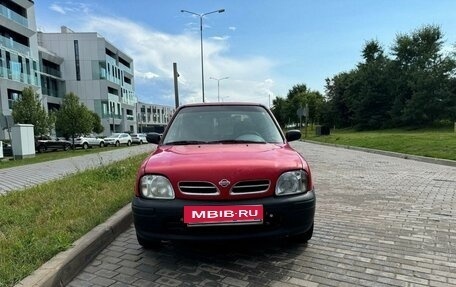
[(51, 71), (127, 86), (125, 68), (16, 75), (13, 45), (113, 98), (111, 60), (129, 100), (10, 14)]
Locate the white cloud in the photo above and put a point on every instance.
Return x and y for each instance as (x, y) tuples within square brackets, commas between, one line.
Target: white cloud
[(154, 53), (232, 28), (220, 38), (146, 75), (57, 8), (67, 7)]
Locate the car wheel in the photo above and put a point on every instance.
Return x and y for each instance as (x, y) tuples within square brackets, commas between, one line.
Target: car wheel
[(102, 144), (140, 142), (303, 237), (66, 147), (41, 149), (117, 143), (148, 244), (85, 145), (129, 143)]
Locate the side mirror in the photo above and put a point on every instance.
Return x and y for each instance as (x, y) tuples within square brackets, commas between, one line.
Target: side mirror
[(293, 135), (153, 138)]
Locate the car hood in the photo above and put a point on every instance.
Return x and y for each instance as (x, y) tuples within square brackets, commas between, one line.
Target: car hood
[(214, 162)]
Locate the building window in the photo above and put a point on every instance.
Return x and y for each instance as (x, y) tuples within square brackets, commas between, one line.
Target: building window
[(1, 63), (76, 58), (27, 64), (13, 96)]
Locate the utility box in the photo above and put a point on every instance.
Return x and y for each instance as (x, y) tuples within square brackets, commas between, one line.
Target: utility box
[(318, 131), (23, 141), (325, 130)]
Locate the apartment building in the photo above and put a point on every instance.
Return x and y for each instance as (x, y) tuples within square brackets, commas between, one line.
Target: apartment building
[(153, 118), (53, 86), (18, 55), (99, 73), (85, 63)]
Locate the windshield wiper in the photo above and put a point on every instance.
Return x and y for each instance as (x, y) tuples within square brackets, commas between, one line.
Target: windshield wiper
[(184, 142), (236, 141)]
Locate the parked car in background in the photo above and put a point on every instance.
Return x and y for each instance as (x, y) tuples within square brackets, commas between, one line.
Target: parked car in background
[(223, 171), (86, 141), (7, 149), (138, 138), (47, 143), (118, 139)]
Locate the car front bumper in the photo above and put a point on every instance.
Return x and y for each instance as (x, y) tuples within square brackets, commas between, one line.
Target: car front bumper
[(283, 216)]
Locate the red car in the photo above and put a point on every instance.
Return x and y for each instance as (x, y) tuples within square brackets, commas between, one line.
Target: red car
[(223, 171)]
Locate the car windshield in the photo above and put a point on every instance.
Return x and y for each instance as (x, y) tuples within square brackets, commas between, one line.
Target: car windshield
[(115, 135), (223, 124)]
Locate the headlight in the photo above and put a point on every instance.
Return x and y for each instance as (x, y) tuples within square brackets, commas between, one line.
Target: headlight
[(292, 182), (156, 187)]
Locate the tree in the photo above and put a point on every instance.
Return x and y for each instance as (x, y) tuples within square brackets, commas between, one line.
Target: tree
[(300, 96), (373, 98), (339, 91), (279, 110), (73, 118), (416, 87), (29, 110), (97, 126), (425, 94)]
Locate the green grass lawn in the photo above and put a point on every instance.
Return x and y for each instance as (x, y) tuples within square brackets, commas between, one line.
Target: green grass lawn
[(53, 155), (437, 143), (39, 222)]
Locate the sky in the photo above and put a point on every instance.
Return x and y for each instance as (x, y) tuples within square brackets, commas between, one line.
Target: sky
[(264, 47)]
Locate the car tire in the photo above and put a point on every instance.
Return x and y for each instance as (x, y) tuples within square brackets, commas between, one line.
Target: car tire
[(148, 244), (66, 147), (85, 145), (117, 143), (41, 148), (129, 143), (102, 144), (303, 237), (140, 142)]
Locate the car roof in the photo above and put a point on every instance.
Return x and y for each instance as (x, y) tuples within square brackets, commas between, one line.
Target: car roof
[(223, 104)]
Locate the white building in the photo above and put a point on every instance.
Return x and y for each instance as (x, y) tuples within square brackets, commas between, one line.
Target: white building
[(54, 64), (98, 73), (18, 55), (153, 118)]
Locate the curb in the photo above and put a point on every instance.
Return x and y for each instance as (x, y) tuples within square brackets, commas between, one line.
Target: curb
[(63, 267), (440, 161)]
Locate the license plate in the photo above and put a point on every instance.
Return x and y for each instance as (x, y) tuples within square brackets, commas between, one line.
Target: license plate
[(227, 214)]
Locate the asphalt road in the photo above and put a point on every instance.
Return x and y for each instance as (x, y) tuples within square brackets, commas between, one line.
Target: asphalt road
[(380, 221)]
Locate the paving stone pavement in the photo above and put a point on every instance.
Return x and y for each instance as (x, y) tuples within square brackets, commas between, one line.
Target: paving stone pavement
[(380, 221), (16, 178)]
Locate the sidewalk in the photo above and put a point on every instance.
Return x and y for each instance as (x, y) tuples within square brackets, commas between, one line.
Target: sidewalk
[(16, 178)]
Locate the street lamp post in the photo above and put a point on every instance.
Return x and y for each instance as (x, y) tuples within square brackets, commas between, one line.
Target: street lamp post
[(218, 85), (201, 15)]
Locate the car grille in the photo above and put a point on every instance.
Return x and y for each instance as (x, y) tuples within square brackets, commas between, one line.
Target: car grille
[(198, 187), (253, 186)]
